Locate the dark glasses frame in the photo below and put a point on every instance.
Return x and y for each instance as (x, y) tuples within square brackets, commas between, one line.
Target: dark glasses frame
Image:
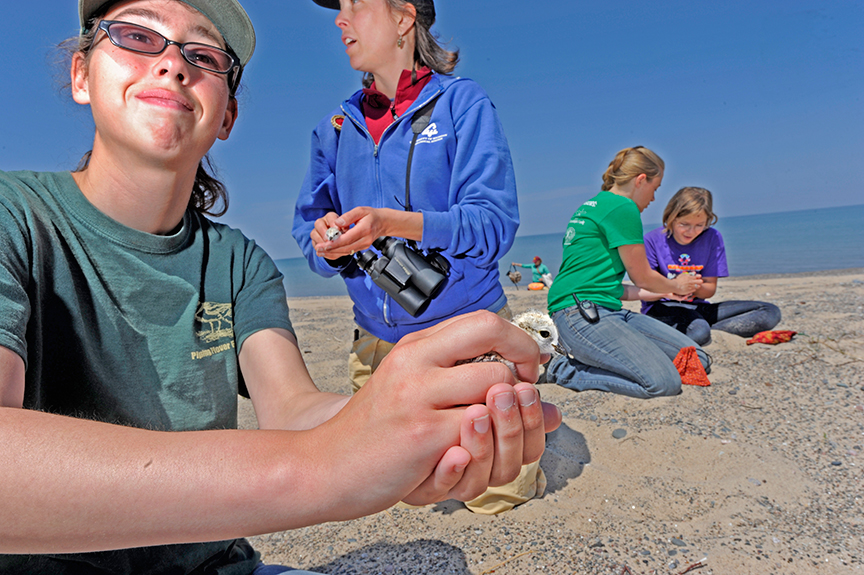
[(232, 72)]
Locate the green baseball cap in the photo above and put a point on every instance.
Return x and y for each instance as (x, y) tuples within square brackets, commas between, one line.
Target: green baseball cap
[(228, 16)]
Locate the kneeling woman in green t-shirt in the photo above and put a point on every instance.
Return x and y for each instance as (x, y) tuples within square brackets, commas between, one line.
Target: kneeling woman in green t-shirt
[(611, 348)]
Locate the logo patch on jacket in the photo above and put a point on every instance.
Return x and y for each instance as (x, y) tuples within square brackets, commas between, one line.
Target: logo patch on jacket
[(430, 135), (337, 122)]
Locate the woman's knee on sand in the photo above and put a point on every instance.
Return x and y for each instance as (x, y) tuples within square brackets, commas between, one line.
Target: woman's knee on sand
[(612, 355)]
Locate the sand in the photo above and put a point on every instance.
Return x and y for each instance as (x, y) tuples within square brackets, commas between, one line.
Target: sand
[(762, 472)]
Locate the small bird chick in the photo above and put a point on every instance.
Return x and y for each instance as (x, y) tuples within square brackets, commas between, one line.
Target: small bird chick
[(539, 326), (333, 233)]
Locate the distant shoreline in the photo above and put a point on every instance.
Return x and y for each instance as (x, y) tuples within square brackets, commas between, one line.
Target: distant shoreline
[(834, 272), (756, 247), (509, 288)]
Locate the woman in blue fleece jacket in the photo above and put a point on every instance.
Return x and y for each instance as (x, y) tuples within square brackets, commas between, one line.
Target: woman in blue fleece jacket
[(462, 187)]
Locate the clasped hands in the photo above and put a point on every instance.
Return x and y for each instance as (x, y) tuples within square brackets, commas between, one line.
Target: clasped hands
[(687, 286), (436, 430)]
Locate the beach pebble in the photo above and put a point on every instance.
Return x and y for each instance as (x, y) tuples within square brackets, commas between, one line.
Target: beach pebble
[(619, 433), (678, 542), (836, 463)]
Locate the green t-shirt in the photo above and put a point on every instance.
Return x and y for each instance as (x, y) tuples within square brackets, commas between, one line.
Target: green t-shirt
[(131, 328), (592, 267)]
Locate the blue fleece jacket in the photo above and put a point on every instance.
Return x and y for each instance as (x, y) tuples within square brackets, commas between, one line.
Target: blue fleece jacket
[(462, 181)]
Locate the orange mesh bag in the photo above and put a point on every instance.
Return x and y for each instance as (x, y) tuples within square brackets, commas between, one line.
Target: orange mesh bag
[(772, 337), (688, 365)]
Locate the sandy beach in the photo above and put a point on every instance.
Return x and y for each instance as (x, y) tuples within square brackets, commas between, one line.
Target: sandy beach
[(762, 472)]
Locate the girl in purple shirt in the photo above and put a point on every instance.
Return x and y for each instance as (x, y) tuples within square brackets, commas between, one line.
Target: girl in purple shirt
[(688, 244)]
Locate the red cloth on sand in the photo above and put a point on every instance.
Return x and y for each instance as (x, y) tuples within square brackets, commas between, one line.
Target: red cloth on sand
[(688, 365), (772, 337)]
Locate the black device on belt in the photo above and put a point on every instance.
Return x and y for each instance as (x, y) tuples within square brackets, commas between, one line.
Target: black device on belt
[(588, 309)]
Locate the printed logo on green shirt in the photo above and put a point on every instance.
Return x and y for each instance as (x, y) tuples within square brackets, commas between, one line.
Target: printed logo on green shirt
[(571, 231), (217, 323)]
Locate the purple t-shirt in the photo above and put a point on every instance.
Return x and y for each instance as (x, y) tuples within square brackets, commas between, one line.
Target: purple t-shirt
[(705, 255)]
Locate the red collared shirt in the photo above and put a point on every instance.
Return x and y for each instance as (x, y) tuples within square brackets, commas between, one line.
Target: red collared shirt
[(380, 111)]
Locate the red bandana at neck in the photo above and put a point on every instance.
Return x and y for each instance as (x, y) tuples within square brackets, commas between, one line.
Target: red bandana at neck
[(380, 111)]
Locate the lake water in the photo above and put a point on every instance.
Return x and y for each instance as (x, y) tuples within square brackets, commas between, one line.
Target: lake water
[(784, 242)]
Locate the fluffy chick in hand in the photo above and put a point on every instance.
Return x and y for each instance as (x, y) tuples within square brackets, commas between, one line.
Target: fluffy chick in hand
[(539, 326)]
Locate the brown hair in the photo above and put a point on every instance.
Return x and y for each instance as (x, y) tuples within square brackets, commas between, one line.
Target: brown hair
[(687, 202), (427, 50), (629, 163), (209, 195)]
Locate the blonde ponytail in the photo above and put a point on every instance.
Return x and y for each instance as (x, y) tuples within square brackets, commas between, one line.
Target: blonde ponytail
[(629, 163)]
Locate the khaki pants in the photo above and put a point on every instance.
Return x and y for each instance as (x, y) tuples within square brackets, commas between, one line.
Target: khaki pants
[(366, 355)]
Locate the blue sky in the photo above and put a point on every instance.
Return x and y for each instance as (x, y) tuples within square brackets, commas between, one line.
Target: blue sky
[(760, 102)]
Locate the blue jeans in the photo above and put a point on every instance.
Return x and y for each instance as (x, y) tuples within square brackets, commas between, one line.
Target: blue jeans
[(279, 570), (738, 317), (625, 352)]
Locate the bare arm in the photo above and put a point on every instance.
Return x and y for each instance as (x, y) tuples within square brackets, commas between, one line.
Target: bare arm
[(84, 486), (639, 270), (87, 486), (80, 485), (705, 291), (634, 293), (279, 384), (11, 379)]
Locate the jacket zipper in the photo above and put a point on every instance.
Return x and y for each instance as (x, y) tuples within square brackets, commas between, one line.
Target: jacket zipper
[(386, 307)]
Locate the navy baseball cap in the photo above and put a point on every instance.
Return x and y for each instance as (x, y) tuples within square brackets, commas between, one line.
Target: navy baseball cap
[(425, 9)]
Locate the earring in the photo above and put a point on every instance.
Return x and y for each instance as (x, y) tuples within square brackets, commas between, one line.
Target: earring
[(399, 41)]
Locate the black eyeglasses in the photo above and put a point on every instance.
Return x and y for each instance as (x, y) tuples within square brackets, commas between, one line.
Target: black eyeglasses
[(146, 41)]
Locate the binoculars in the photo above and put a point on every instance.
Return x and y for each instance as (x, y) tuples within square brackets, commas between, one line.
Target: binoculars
[(409, 276)]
